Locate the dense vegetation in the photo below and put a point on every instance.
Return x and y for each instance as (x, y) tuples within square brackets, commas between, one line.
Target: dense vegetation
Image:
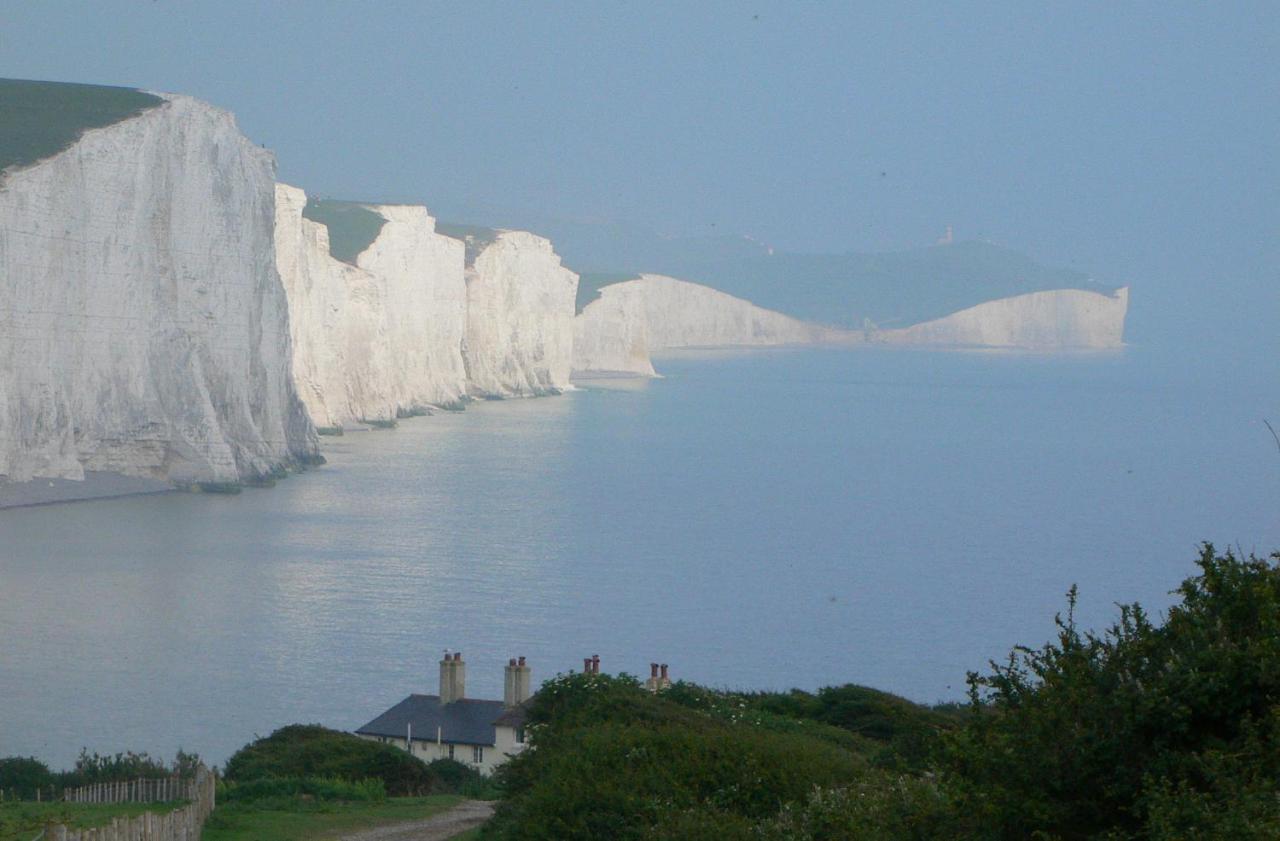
[(302, 751), (1156, 730), (40, 119), (352, 226), (612, 760), (305, 781), (22, 776)]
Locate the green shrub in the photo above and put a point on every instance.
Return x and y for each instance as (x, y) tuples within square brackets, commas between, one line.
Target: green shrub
[(608, 759), (91, 768), (1145, 730), (309, 750), (22, 776), (316, 788), (878, 807), (456, 778)]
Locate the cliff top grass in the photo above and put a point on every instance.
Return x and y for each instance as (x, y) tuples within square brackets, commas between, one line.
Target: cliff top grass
[(22, 820), (476, 237), (352, 226), (305, 819), (590, 284), (41, 119)]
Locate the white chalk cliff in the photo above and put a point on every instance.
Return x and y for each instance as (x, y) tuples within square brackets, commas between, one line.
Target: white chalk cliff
[(1060, 319), (611, 334), (426, 306), (616, 332), (380, 339), (143, 326), (520, 311)]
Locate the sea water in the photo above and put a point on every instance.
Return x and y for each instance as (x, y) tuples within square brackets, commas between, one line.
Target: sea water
[(764, 520)]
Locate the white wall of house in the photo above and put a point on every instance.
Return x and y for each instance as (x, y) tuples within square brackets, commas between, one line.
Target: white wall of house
[(486, 760)]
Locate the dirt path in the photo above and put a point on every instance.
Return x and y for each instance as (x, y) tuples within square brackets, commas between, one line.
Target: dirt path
[(466, 815)]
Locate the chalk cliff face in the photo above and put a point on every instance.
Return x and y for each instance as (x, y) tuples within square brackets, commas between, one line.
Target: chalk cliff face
[(1061, 319), (380, 339), (520, 305), (616, 332), (143, 326), (611, 334), (681, 314), (426, 306)]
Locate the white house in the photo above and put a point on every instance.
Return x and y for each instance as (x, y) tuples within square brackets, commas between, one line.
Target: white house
[(482, 734)]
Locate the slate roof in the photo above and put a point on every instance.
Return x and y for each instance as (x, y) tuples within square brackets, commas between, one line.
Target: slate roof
[(514, 717), (468, 721)]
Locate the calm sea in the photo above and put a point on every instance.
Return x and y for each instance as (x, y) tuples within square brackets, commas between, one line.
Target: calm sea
[(763, 520)]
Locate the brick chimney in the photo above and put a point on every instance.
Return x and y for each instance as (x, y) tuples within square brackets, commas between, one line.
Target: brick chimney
[(453, 678), (652, 683), (663, 680), (519, 677)]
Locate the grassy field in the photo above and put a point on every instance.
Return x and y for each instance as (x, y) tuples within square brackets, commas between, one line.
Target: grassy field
[(40, 119), (301, 820), (352, 226), (22, 821)]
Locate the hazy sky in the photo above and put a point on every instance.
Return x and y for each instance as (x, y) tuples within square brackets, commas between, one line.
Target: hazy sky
[(1138, 143)]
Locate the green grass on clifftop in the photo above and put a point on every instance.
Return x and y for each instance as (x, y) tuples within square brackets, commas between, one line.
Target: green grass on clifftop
[(23, 820), (40, 119), (476, 237), (590, 283), (312, 820), (352, 226)]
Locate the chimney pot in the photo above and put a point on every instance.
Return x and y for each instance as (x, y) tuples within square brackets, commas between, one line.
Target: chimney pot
[(664, 671), (511, 662), (653, 670), (521, 658), (586, 665), (595, 664)]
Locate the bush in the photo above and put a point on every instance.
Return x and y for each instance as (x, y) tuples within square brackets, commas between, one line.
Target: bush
[(879, 807), (455, 778), (1157, 731), (309, 750), (609, 760), (21, 776), (316, 788)]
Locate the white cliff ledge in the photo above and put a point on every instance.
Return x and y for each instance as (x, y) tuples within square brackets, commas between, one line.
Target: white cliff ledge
[(520, 305), (615, 333), (1060, 319), (143, 327), (379, 339)]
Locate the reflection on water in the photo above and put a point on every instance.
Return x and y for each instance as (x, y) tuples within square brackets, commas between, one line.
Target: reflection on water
[(766, 520)]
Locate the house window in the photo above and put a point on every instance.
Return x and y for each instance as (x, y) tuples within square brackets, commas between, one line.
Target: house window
[(451, 751), (520, 735), (477, 754)]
